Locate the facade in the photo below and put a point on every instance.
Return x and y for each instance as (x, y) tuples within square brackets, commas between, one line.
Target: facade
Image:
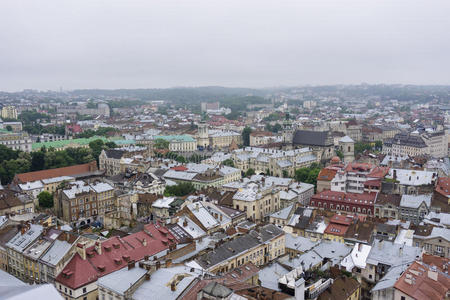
[(179, 143), (437, 143), (405, 144), (80, 203), (359, 178), (258, 247), (387, 206), (273, 162), (104, 257), (346, 202), (9, 112), (16, 140), (258, 201), (434, 241), (12, 202), (414, 208), (16, 247), (321, 142)]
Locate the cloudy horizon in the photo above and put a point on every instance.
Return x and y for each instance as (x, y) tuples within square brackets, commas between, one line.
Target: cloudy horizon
[(113, 44)]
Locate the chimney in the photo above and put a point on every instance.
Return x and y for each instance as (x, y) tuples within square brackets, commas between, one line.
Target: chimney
[(98, 247), (173, 286), (147, 276), (81, 249), (131, 264), (433, 274), (144, 242), (400, 251), (185, 223), (168, 263)]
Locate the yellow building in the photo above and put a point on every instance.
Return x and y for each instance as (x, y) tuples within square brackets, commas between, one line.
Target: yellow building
[(9, 112), (258, 247), (257, 201)]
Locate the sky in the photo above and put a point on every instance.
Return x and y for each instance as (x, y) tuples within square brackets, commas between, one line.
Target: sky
[(73, 44)]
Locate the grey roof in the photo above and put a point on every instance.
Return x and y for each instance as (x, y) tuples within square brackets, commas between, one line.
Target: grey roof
[(270, 274), (307, 260), (56, 252), (284, 213), (20, 241), (299, 243), (217, 290), (239, 245), (159, 285), (392, 275), (114, 153), (120, 281), (388, 253), (311, 138), (414, 201)]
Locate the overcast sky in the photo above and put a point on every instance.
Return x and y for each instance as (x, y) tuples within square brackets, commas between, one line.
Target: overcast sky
[(45, 44)]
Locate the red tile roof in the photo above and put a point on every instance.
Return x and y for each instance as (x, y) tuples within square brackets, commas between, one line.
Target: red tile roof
[(341, 219), (418, 283), (51, 173), (114, 255), (441, 263), (326, 174), (358, 167), (443, 186), (378, 172), (336, 229), (179, 168), (363, 198)]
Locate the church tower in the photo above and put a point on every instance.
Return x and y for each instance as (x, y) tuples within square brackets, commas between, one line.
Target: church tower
[(347, 147), (203, 135)]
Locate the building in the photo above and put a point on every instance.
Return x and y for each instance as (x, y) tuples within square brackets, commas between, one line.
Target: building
[(343, 288), (359, 178), (179, 143), (346, 202), (405, 144), (321, 142), (9, 112), (15, 203), (414, 208), (421, 281), (111, 160), (433, 240), (337, 228), (77, 171), (437, 143), (273, 162), (258, 138), (258, 247), (325, 177), (387, 206), (78, 279), (81, 203), (16, 247), (347, 148), (16, 140), (257, 200)]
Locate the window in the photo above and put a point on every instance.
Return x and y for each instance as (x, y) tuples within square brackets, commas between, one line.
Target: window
[(402, 298), (84, 290)]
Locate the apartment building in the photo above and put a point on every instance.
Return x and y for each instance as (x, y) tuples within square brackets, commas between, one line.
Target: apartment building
[(81, 203), (258, 247), (16, 140), (179, 143)]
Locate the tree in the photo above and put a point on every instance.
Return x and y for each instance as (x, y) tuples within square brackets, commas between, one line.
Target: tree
[(360, 147), (37, 160), (96, 146), (250, 172), (161, 144), (379, 145), (340, 154), (45, 199), (180, 190), (246, 135), (228, 162), (8, 127), (309, 174)]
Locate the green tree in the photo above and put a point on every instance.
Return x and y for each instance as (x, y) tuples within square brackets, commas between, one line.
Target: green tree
[(45, 199), (285, 174), (228, 162), (379, 145), (37, 160), (340, 154), (97, 146), (161, 144), (250, 172), (8, 127), (179, 190), (246, 135)]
